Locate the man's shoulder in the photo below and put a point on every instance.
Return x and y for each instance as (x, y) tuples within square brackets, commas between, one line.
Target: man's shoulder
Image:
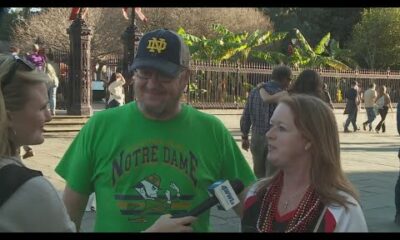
[(253, 93), (198, 114), (111, 115), (201, 117), (112, 111), (369, 91)]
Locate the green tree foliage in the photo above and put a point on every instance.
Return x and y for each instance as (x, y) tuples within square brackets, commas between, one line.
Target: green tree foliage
[(376, 38), (306, 56), (315, 22), (227, 45), (240, 46), (344, 55)]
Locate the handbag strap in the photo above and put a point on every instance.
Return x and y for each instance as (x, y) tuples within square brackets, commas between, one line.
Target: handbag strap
[(12, 177)]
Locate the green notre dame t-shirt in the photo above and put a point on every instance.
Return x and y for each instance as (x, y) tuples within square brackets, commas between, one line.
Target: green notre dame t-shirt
[(141, 168)]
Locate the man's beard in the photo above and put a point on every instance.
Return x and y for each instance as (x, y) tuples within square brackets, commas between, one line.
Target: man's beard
[(162, 110)]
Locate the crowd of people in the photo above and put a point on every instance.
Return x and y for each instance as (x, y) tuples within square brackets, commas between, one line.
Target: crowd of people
[(258, 115), (153, 159), (374, 104)]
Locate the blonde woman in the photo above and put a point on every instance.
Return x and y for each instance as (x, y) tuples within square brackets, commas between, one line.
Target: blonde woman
[(310, 192), (23, 114), (383, 102)]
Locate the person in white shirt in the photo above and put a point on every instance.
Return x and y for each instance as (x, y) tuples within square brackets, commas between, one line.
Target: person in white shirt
[(384, 104), (369, 102), (116, 90)]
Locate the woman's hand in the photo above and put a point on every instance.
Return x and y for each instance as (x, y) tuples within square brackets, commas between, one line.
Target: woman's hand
[(120, 77), (245, 144), (167, 224)]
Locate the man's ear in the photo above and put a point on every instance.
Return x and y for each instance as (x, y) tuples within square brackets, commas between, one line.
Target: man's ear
[(10, 117), (184, 78)]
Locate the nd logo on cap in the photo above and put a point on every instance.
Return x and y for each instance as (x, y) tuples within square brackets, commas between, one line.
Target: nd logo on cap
[(164, 51), (155, 44)]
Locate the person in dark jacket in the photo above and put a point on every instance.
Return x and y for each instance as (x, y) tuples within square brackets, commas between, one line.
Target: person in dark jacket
[(353, 102)]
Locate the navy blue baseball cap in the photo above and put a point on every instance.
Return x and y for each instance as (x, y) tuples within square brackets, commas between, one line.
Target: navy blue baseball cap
[(163, 50)]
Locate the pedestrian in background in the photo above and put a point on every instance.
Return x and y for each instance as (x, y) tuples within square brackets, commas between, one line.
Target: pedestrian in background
[(352, 107), (369, 103), (116, 90), (256, 115), (327, 96), (52, 71), (384, 104)]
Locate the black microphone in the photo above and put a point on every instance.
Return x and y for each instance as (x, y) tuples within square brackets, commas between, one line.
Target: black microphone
[(237, 186)]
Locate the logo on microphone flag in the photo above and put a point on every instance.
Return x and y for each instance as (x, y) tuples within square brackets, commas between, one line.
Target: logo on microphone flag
[(225, 194)]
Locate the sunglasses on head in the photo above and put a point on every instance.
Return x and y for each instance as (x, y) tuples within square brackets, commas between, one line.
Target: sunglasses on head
[(17, 62)]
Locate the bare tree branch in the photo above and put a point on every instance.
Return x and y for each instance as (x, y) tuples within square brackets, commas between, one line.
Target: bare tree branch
[(108, 24)]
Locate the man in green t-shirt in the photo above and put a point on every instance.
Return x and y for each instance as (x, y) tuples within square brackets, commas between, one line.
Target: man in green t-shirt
[(153, 156)]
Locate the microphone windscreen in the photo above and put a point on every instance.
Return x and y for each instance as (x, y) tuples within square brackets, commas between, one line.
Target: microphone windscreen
[(237, 185)]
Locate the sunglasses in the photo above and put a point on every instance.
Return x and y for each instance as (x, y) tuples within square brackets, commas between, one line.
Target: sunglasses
[(11, 73)]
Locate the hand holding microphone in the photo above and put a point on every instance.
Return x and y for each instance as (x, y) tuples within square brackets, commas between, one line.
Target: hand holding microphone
[(223, 192), (168, 224)]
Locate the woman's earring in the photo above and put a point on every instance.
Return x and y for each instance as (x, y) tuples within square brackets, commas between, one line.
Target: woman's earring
[(308, 146)]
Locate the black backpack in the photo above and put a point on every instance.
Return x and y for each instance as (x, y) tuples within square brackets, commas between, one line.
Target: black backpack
[(12, 177)]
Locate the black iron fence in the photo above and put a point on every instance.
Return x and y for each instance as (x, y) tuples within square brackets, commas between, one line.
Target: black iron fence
[(226, 85), (101, 73)]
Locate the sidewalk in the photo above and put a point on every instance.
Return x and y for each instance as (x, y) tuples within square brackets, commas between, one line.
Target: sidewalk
[(369, 159)]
